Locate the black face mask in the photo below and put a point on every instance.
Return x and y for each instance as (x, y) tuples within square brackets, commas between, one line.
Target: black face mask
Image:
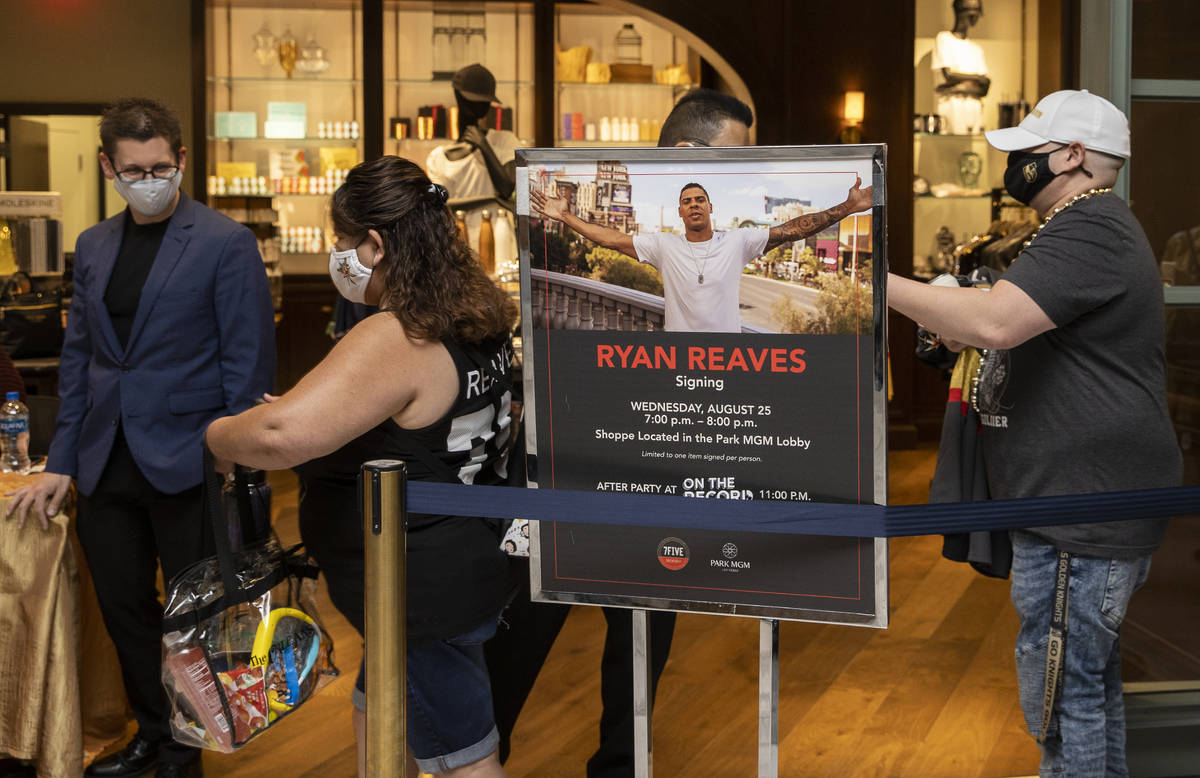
[(1029, 172)]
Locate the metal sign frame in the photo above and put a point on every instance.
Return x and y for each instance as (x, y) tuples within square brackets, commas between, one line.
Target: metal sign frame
[(877, 554)]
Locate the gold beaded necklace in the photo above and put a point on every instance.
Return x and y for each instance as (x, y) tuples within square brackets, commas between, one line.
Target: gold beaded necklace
[(1085, 195)]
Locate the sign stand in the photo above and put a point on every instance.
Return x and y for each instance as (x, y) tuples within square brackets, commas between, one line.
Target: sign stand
[(643, 702), (768, 698)]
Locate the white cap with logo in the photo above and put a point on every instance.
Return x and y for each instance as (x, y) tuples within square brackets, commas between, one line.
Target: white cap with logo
[(1067, 116)]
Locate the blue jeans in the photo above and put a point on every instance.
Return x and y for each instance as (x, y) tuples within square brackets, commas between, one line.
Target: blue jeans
[(449, 700), (1086, 736)]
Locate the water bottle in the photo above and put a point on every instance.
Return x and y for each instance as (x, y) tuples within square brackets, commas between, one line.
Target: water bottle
[(246, 497), (629, 45), (14, 435)]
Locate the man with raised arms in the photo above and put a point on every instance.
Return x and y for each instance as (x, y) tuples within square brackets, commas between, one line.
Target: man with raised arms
[(701, 268)]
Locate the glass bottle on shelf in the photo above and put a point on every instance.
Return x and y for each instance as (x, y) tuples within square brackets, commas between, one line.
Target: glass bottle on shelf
[(629, 45), (458, 43), (476, 39), (264, 46), (441, 44), (487, 243), (506, 242), (312, 57), (460, 221)]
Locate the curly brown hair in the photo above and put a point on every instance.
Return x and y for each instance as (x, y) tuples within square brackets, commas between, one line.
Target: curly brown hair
[(435, 285)]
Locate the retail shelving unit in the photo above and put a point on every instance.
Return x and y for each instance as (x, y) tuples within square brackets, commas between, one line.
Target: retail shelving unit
[(285, 106), (955, 175), (642, 104)]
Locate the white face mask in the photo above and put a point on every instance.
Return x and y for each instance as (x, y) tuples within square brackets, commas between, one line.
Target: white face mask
[(349, 274), (151, 196)]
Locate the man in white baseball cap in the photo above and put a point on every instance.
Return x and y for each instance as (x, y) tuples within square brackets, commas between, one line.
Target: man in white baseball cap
[(1070, 396), (1066, 116)]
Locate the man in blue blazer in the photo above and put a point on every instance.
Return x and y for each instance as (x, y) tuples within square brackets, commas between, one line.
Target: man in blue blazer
[(170, 326)]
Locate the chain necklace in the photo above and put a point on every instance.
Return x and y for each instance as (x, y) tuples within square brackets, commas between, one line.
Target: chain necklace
[(699, 265), (1089, 193), (983, 363)]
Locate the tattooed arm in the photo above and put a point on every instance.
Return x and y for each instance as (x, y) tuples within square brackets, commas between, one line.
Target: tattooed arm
[(811, 223), (556, 208)]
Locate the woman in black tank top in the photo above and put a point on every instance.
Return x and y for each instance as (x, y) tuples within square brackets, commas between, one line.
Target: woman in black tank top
[(426, 380)]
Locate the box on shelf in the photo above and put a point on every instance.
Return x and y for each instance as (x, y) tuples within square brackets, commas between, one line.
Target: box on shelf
[(500, 118), (235, 124), (623, 72), (232, 170), (400, 127), (285, 120), (436, 124), (337, 158), (285, 163)]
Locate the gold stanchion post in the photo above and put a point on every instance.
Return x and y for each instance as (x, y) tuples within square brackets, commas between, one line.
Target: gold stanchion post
[(382, 490)]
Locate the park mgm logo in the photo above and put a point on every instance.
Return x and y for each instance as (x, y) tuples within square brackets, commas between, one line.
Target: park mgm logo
[(730, 564)]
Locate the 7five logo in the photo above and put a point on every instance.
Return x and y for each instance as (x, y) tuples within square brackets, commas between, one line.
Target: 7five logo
[(673, 554)]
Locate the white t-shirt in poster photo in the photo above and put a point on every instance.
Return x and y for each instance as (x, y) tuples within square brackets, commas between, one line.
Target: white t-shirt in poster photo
[(700, 280)]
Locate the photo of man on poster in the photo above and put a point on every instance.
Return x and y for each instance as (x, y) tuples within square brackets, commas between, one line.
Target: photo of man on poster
[(700, 268)]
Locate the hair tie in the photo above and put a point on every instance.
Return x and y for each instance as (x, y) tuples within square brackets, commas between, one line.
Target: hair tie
[(438, 193)]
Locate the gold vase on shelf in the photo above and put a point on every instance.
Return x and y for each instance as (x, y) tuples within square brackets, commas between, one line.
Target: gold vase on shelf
[(287, 52)]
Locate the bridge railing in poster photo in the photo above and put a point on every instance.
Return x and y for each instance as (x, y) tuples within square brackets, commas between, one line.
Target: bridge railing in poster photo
[(691, 343)]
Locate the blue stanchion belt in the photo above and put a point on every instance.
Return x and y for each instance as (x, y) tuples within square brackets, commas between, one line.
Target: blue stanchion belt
[(799, 518)]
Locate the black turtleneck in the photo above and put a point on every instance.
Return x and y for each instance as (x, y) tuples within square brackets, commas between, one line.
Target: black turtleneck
[(139, 247)]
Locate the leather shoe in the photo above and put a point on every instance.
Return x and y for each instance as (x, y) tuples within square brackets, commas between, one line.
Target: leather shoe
[(191, 769), (136, 758)]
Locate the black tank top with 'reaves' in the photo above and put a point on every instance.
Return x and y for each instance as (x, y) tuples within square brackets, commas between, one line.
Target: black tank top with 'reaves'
[(457, 574)]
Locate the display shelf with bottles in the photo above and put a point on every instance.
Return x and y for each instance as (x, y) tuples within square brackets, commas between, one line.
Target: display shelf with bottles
[(957, 181), (619, 84), (425, 43), (614, 68), (284, 94)]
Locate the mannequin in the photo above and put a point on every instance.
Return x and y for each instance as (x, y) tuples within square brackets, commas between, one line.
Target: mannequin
[(481, 163), (960, 72)]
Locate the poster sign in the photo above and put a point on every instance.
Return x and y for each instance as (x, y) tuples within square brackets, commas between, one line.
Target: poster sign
[(699, 323)]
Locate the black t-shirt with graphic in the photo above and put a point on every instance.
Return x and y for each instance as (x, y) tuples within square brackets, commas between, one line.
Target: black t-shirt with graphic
[(1082, 407)]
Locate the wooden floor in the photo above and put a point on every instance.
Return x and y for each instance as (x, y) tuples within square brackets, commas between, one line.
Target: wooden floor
[(933, 695)]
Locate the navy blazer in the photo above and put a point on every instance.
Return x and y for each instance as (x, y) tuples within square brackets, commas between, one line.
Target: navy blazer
[(202, 346)]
